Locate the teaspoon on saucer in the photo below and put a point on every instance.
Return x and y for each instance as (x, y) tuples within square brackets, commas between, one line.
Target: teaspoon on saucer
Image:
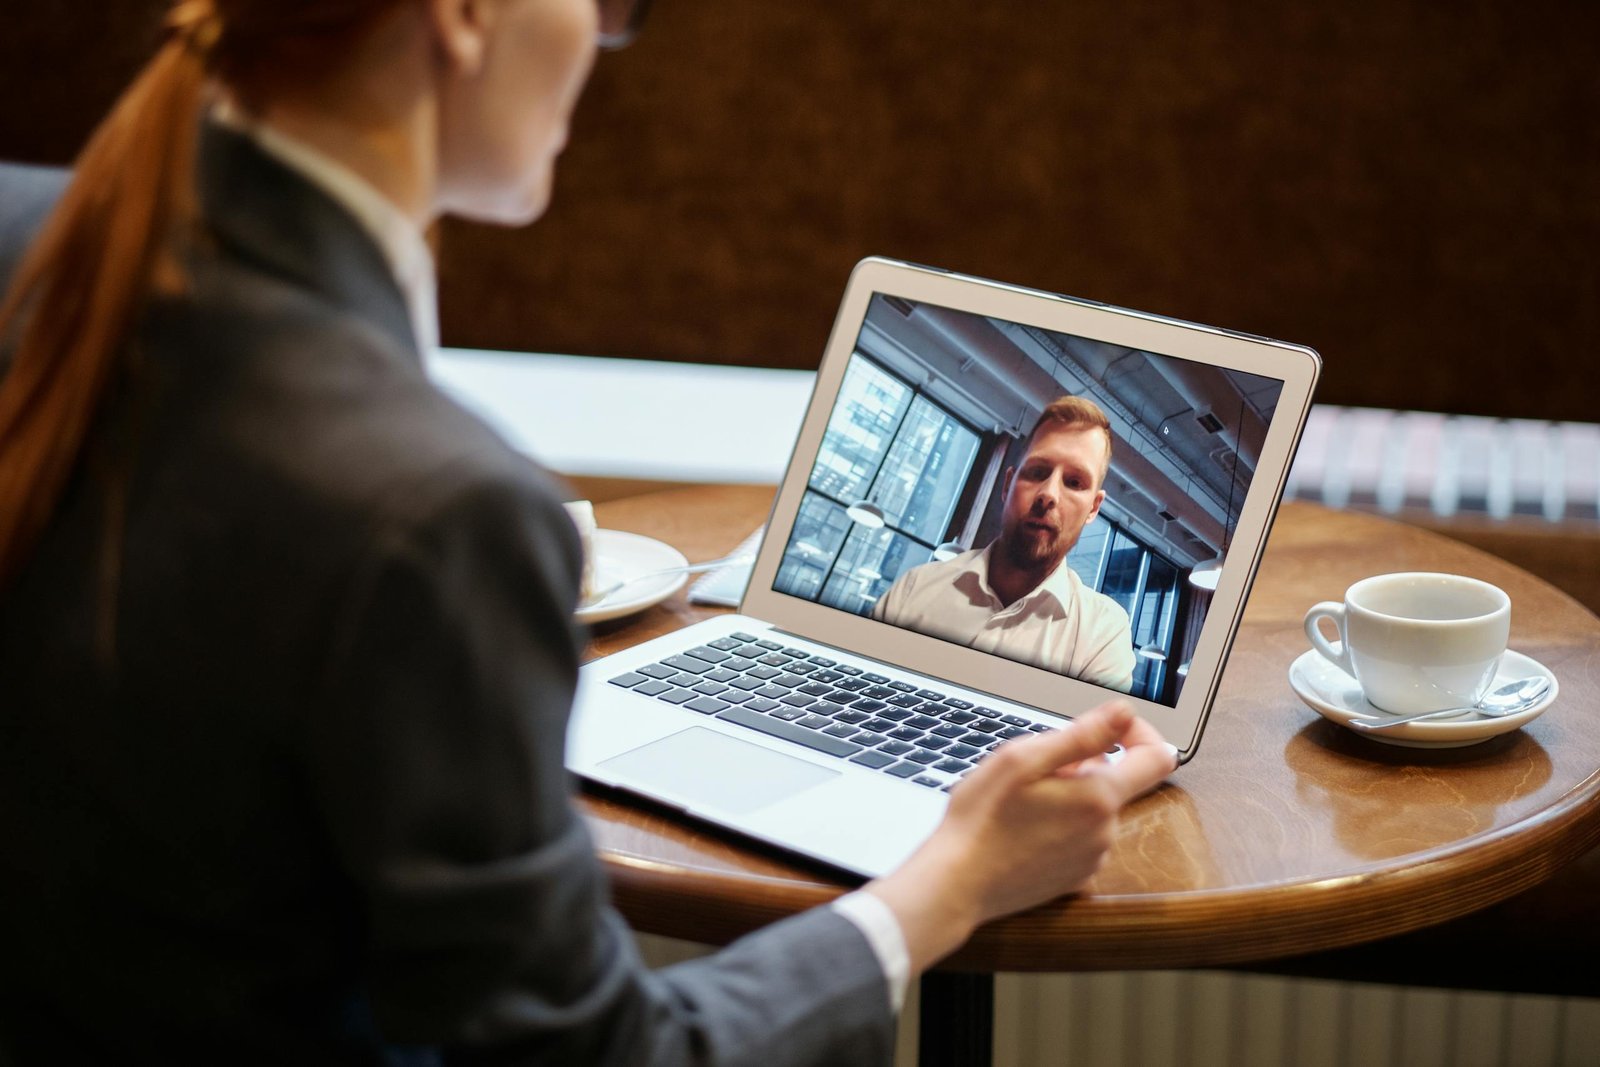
[(1508, 699), (595, 599)]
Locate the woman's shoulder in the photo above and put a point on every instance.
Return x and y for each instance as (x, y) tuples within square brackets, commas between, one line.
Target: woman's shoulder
[(327, 411)]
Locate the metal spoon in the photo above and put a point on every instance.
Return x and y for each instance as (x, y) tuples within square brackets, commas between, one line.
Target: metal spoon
[(1506, 700), (693, 568)]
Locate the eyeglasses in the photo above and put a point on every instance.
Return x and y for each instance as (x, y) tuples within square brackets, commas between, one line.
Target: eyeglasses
[(620, 21)]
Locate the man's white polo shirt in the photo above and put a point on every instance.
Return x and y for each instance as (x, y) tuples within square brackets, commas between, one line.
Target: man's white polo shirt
[(1062, 625)]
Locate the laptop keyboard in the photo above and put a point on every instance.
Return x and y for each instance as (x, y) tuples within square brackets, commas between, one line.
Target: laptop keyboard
[(869, 719)]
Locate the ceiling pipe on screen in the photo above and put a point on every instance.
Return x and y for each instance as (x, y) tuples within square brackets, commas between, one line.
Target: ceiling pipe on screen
[(1210, 391)]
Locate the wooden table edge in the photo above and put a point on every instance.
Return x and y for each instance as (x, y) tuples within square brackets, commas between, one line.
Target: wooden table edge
[(1160, 930)]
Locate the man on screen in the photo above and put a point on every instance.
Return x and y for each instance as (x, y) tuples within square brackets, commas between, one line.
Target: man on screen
[(1017, 597)]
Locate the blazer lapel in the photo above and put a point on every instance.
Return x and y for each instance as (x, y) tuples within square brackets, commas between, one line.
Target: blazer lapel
[(269, 214)]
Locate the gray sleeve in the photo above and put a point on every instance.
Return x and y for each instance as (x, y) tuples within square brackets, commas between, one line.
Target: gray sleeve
[(436, 762)]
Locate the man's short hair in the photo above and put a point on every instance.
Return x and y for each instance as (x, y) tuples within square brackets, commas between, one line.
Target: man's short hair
[(1075, 413)]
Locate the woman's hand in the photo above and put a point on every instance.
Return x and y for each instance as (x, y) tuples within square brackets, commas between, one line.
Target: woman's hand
[(1032, 822)]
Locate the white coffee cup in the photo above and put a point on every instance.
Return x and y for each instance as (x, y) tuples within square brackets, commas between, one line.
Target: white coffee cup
[(1417, 641)]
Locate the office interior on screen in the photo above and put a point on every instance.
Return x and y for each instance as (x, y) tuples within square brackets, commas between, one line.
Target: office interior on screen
[(936, 404)]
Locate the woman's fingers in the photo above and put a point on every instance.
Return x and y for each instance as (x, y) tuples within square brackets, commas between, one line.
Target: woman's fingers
[(1141, 768), (1038, 815), (1038, 755), (1140, 732)]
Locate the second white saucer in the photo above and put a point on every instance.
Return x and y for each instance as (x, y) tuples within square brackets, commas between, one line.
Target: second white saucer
[(618, 557)]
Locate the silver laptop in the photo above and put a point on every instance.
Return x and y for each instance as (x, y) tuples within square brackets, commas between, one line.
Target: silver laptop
[(946, 567)]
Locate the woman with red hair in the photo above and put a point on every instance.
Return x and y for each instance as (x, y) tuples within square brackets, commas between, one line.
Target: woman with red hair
[(286, 649)]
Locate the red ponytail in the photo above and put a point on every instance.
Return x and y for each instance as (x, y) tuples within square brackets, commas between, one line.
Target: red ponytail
[(113, 240), (106, 248)]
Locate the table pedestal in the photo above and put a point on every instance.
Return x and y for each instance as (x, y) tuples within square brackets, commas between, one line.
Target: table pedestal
[(955, 1027)]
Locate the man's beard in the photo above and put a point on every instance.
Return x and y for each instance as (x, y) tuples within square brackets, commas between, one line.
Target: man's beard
[(1034, 551)]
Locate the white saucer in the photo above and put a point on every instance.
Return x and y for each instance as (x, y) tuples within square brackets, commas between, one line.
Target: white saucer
[(1335, 696), (619, 556)]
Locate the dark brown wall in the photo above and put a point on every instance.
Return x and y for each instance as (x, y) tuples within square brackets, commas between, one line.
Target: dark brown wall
[(1409, 187)]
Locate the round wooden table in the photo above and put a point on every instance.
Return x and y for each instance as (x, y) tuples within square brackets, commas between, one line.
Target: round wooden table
[(1286, 834)]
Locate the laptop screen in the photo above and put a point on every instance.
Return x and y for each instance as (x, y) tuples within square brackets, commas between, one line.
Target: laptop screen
[(1047, 498)]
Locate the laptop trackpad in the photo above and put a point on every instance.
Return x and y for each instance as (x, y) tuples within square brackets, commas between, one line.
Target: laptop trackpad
[(711, 770)]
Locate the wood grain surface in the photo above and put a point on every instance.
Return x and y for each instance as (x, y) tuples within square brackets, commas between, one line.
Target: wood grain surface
[(1284, 835)]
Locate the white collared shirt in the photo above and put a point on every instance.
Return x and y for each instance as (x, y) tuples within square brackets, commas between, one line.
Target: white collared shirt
[(398, 237), (1062, 625)]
